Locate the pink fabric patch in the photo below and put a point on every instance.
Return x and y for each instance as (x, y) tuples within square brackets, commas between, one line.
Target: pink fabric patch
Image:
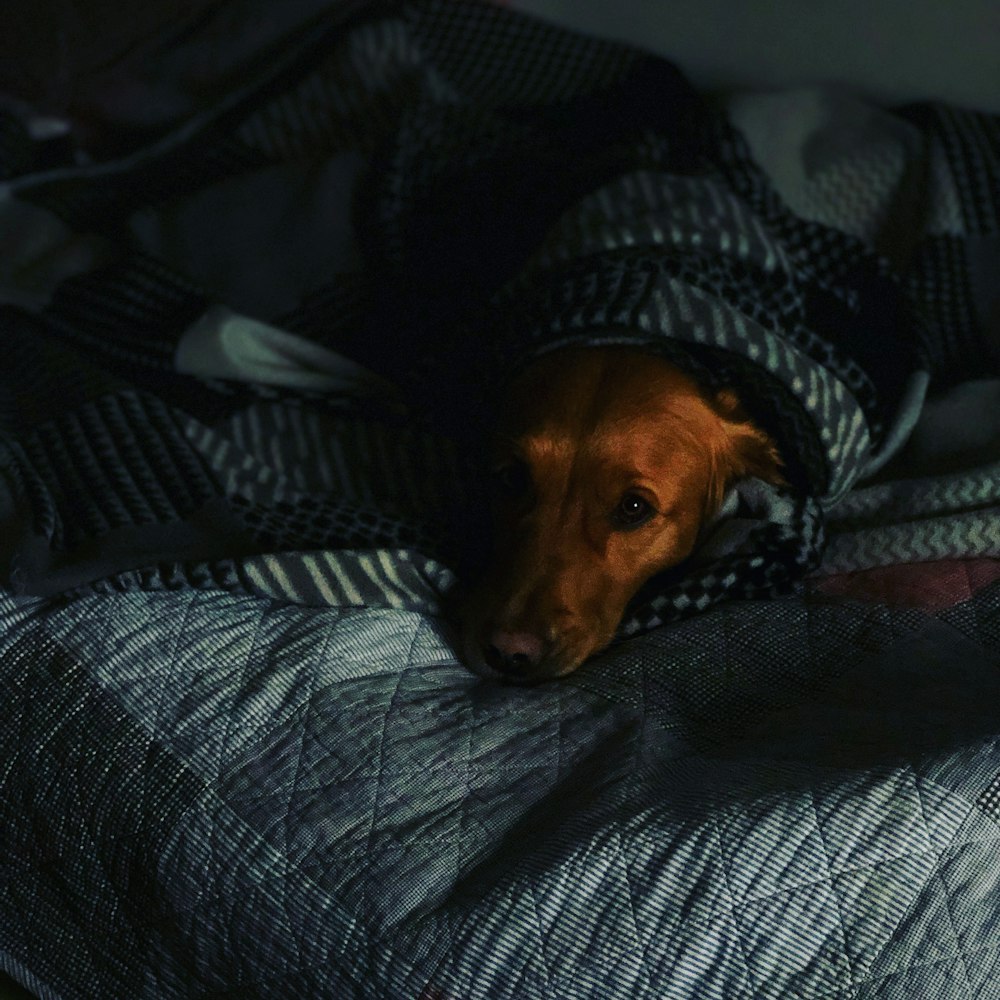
[(932, 586)]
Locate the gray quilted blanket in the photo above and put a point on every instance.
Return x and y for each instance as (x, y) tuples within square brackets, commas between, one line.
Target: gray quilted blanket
[(213, 795), (245, 367)]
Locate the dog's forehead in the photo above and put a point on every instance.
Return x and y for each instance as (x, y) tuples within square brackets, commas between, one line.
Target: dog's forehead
[(605, 417), (603, 434), (618, 456), (563, 414)]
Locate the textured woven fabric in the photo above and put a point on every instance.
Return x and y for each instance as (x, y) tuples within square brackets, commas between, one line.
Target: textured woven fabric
[(504, 203)]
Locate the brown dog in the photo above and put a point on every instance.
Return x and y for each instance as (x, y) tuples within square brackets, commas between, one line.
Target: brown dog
[(609, 461)]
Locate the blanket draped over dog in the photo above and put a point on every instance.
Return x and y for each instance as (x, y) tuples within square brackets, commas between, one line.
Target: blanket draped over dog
[(826, 258)]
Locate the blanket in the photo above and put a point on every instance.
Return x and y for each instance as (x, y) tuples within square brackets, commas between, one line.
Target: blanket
[(489, 206), (245, 372), (207, 794)]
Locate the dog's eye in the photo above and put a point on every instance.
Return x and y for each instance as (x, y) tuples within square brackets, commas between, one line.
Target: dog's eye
[(632, 510), (513, 477)]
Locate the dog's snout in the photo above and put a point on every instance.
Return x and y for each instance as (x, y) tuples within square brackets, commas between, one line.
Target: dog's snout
[(515, 654)]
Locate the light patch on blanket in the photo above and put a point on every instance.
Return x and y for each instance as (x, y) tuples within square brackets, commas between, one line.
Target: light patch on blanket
[(394, 578), (224, 344)]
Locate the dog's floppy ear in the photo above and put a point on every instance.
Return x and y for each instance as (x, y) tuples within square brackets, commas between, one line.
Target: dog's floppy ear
[(749, 450)]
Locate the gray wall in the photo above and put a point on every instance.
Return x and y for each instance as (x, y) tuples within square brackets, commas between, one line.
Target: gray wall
[(894, 50)]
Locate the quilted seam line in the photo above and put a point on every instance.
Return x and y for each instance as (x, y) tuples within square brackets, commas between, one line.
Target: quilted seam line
[(841, 926), (181, 627), (122, 909), (734, 908), (370, 837), (210, 783), (859, 869), (729, 909), (944, 885), (469, 706), (639, 946), (985, 607), (306, 710), (931, 850), (243, 672), (962, 953), (545, 962), (210, 792)]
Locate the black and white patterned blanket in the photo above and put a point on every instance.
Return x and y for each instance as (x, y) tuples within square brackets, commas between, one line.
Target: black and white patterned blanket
[(491, 205), (245, 369)]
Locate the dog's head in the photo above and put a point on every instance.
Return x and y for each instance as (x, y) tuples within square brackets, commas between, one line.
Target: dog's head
[(607, 461)]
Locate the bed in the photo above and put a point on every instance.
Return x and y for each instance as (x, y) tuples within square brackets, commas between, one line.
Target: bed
[(239, 754)]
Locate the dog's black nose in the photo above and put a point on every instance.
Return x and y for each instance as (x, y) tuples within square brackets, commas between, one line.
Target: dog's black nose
[(514, 654), (514, 666)]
